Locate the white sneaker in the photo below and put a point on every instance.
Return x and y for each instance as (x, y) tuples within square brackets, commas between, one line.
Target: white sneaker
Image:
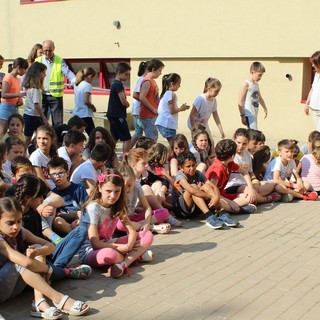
[(147, 256)]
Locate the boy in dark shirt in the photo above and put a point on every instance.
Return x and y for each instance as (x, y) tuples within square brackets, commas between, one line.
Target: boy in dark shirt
[(117, 107)]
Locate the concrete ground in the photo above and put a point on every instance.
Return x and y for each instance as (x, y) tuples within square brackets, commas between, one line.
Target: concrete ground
[(266, 269)]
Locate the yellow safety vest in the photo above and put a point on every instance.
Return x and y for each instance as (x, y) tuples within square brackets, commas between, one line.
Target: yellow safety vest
[(56, 84)]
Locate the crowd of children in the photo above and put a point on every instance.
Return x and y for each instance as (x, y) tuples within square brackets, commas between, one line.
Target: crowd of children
[(64, 196)]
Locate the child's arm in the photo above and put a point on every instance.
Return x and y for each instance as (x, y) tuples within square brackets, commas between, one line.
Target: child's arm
[(46, 249), (246, 176), (143, 97), (192, 116), (263, 104), (243, 91), (87, 102), (148, 211), (38, 108), (218, 123), (53, 200), (194, 191), (173, 167), (172, 105), (132, 234), (123, 99)]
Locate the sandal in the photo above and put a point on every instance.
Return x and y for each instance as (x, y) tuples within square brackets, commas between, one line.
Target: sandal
[(48, 314), (76, 309), (161, 228)]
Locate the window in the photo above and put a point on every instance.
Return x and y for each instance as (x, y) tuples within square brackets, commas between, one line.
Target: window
[(106, 71), (37, 1)]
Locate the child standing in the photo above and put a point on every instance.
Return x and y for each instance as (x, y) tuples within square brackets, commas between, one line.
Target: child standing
[(282, 170), (11, 96), (205, 105), (33, 114), (19, 270), (149, 98), (147, 219), (104, 208), (178, 145), (117, 107), (82, 97), (15, 127), (250, 97), (167, 121), (46, 143)]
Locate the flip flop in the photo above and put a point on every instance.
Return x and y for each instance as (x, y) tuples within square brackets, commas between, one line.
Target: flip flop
[(47, 314), (161, 228)]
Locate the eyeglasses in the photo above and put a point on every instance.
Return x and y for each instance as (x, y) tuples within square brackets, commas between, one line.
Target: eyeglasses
[(57, 174)]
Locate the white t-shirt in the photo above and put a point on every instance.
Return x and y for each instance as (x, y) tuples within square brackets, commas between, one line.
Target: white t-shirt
[(165, 118), (315, 96), (81, 109), (33, 96), (38, 159), (251, 100), (136, 103), (85, 171), (62, 152), (133, 198), (204, 110), (244, 162), (277, 165)]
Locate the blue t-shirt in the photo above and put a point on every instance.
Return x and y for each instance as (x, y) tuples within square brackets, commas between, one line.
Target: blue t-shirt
[(115, 107), (74, 197)]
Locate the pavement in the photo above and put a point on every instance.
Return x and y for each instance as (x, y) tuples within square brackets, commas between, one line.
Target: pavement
[(268, 268)]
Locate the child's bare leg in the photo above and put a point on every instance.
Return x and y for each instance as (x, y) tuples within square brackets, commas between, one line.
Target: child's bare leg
[(62, 225), (307, 186), (153, 201), (265, 187)]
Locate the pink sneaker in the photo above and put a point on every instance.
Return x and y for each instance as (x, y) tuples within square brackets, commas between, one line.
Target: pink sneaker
[(310, 196)]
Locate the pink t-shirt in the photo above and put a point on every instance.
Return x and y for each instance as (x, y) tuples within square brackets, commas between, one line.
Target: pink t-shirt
[(14, 87)]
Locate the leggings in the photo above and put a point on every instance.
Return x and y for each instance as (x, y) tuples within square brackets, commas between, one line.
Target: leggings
[(161, 215), (109, 256)]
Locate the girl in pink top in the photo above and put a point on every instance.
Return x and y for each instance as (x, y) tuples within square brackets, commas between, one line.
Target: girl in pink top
[(11, 95)]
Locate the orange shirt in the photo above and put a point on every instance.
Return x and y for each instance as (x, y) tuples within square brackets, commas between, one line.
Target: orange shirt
[(14, 87), (152, 97)]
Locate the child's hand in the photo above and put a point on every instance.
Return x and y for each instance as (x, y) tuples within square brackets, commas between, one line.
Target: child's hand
[(214, 202), (46, 211), (184, 107), (161, 195), (306, 109), (93, 108), (31, 252), (122, 248)]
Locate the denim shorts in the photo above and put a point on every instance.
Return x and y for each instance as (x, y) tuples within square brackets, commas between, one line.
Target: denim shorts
[(150, 129), (6, 110), (167, 132)]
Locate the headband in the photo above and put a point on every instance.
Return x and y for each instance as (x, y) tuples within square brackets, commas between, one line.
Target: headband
[(102, 177)]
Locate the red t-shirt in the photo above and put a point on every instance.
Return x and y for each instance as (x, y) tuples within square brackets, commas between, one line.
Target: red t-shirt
[(152, 97), (217, 171)]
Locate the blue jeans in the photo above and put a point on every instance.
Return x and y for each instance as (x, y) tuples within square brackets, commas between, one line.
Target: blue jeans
[(65, 250), (150, 128)]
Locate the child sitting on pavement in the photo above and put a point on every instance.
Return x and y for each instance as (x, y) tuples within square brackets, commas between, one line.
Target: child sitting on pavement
[(282, 169), (193, 194), (219, 174)]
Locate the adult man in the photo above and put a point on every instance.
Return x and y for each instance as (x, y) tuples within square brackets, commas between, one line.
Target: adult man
[(57, 69)]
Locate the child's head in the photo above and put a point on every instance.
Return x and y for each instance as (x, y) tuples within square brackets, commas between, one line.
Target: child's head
[(46, 140), (15, 125), (313, 135), (241, 138), (315, 61), (145, 143), (137, 159), (257, 70), (35, 202), (286, 149), (100, 154), (178, 145), (15, 147), (142, 68), (74, 140), (35, 52), (123, 71), (77, 123), (128, 176), (187, 163), (212, 86), (19, 166), (316, 149), (226, 149), (100, 135), (58, 170), (157, 155), (253, 137), (87, 73), (200, 138), (171, 82), (10, 217), (110, 192), (21, 65), (155, 67), (35, 76)]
